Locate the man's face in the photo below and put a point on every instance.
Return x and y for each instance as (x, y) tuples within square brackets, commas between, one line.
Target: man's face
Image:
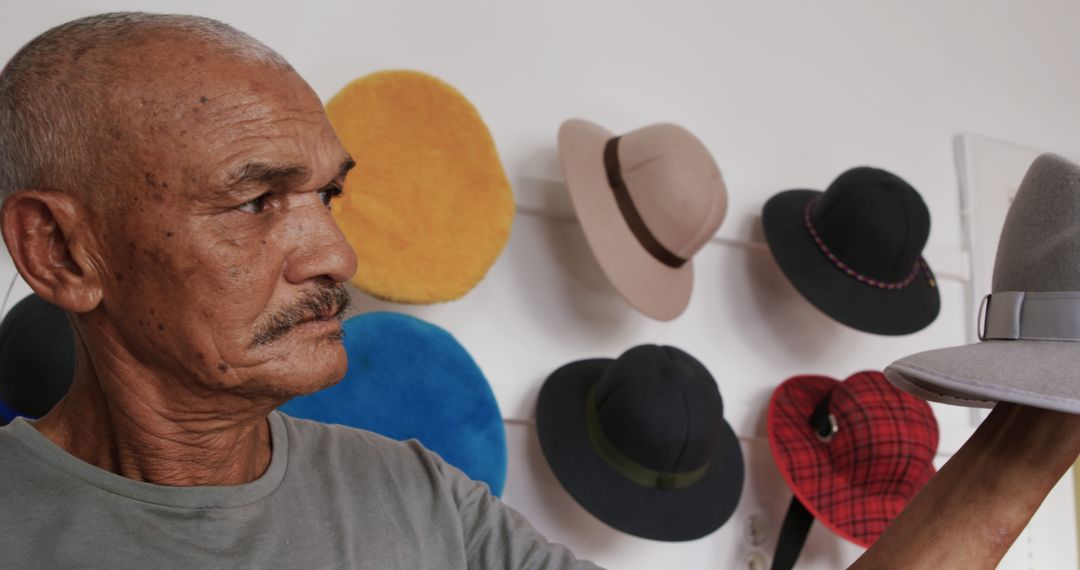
[(222, 264)]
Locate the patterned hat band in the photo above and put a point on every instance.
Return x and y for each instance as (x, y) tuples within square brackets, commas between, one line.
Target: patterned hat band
[(920, 265)]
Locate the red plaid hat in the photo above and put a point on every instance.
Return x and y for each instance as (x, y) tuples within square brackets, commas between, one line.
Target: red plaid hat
[(853, 452)]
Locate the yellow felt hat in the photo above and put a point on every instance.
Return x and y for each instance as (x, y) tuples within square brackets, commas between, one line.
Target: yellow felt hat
[(428, 207)]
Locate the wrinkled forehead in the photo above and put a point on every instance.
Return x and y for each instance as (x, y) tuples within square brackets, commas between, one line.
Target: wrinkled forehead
[(207, 114)]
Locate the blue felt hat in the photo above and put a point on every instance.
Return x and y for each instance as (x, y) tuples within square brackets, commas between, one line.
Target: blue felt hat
[(409, 379)]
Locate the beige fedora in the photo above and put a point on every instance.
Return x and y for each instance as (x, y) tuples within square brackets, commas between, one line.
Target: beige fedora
[(648, 201)]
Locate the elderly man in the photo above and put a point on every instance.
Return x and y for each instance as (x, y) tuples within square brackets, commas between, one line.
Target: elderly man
[(166, 181)]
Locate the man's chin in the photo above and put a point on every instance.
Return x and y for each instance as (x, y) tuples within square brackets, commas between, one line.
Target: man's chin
[(282, 389), (320, 383), (319, 374), (302, 368)]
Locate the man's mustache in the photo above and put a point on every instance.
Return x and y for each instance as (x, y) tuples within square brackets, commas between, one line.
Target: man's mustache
[(310, 306)]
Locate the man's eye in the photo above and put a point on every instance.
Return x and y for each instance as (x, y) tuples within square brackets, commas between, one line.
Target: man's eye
[(328, 194), (255, 206)]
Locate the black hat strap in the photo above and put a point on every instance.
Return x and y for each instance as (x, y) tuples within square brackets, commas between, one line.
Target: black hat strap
[(798, 520), (626, 466), (793, 535), (630, 212), (920, 265)]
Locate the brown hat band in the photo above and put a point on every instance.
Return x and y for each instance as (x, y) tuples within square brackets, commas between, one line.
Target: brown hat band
[(629, 210)]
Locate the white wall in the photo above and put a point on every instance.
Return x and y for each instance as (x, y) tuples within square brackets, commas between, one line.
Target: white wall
[(785, 94)]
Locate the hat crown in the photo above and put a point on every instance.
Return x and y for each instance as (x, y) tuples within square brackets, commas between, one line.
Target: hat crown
[(891, 436), (660, 407), (675, 185), (1040, 240), (874, 222)]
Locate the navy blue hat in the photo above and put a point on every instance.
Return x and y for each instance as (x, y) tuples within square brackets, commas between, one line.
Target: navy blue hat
[(409, 379), (641, 442), (37, 358)]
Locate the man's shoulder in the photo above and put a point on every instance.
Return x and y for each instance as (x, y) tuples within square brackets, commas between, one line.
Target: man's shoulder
[(311, 431), (311, 440)]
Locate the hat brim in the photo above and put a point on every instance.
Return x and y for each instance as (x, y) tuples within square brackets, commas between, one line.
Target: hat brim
[(838, 295), (655, 289), (803, 485), (658, 514), (1041, 374)]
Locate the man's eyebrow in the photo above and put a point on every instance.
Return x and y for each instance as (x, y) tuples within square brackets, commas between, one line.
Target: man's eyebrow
[(271, 174), (265, 173), (346, 166)]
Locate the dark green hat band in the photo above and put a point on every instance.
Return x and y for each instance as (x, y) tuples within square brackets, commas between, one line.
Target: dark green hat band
[(626, 466)]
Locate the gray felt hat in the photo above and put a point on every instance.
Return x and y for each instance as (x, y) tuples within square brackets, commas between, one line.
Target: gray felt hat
[(1029, 325)]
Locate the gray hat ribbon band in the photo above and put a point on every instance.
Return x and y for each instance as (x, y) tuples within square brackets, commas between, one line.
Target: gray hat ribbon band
[(1018, 315)]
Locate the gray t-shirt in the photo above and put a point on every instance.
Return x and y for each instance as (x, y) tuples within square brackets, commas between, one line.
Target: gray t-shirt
[(332, 497)]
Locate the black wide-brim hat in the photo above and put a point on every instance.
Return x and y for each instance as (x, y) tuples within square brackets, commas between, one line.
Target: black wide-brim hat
[(833, 289), (659, 514)]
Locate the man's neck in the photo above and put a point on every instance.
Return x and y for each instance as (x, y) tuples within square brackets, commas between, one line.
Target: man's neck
[(144, 433)]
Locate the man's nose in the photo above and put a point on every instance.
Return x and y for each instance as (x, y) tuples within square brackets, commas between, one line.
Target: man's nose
[(321, 250)]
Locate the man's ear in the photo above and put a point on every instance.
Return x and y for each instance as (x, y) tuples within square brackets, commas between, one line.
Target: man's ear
[(49, 238)]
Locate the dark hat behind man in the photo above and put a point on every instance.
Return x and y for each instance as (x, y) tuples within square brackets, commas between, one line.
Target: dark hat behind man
[(37, 358)]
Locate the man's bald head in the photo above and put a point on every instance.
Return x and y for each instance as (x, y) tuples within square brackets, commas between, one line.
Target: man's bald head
[(167, 180), (66, 108)]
